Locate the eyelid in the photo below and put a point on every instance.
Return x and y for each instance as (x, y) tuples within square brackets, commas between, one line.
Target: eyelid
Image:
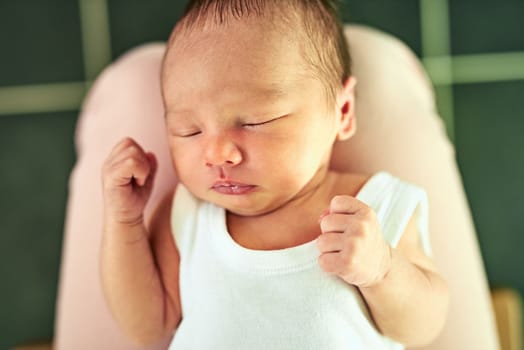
[(265, 121), (187, 134)]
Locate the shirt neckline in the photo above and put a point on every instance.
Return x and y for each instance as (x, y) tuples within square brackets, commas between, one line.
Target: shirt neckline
[(284, 260)]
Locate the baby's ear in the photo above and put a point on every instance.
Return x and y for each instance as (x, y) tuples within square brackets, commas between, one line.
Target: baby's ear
[(346, 110)]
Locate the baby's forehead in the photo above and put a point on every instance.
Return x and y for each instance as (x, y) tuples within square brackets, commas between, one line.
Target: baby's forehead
[(205, 71), (261, 52)]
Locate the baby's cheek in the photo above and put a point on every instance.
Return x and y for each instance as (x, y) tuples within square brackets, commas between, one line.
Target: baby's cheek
[(184, 165)]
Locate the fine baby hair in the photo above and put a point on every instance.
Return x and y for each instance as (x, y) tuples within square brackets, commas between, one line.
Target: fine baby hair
[(314, 24)]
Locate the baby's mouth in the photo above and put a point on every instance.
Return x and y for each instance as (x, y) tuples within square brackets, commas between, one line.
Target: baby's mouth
[(232, 187)]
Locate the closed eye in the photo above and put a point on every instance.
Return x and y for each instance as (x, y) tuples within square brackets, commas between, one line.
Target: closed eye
[(187, 134), (263, 122)]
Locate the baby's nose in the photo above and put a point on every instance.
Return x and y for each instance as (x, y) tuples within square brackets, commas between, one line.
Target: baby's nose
[(221, 151)]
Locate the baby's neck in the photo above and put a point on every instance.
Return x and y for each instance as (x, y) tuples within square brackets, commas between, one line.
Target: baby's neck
[(294, 223)]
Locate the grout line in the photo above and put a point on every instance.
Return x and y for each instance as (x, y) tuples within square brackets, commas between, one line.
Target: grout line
[(41, 98), (488, 67), (440, 69), (477, 68), (435, 33), (434, 23), (96, 39)]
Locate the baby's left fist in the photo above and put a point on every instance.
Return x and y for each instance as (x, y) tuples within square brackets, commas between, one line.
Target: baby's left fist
[(351, 243)]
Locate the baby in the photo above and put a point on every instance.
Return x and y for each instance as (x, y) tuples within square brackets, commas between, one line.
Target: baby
[(261, 245)]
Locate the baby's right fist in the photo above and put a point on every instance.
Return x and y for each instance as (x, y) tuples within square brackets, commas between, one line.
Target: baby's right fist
[(127, 178)]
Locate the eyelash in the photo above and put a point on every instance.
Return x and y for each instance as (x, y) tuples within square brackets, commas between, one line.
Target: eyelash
[(262, 123), (249, 125), (257, 124), (182, 135)]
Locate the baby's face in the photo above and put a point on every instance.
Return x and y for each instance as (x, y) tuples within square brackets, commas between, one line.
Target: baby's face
[(248, 125)]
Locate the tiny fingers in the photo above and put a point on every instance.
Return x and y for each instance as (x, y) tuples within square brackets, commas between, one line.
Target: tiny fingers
[(127, 162), (152, 161), (133, 167), (331, 262), (125, 143), (334, 223), (153, 164), (331, 242), (347, 205)]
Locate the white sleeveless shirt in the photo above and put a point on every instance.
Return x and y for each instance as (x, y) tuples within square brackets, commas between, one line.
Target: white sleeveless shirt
[(237, 298)]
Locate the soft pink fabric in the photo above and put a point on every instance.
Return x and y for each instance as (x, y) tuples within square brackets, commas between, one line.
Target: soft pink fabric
[(398, 131), (124, 101)]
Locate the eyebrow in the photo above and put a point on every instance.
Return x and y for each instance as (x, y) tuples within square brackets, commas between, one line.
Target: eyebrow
[(272, 91)]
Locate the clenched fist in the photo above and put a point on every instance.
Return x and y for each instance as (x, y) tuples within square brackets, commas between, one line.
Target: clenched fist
[(127, 177), (351, 243)]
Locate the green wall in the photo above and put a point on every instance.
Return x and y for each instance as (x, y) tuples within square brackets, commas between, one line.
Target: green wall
[(56, 45)]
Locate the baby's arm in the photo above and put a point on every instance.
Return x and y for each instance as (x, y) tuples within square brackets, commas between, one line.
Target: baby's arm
[(407, 298), (135, 261)]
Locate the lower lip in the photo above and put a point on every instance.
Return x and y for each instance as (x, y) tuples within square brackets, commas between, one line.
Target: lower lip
[(234, 190)]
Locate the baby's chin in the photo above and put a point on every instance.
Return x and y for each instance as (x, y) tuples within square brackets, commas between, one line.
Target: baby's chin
[(246, 213), (251, 204), (248, 209)]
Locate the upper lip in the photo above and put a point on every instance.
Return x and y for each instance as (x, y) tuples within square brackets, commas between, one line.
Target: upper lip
[(229, 183)]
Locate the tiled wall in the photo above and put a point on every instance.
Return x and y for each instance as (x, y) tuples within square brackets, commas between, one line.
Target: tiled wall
[(49, 50)]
